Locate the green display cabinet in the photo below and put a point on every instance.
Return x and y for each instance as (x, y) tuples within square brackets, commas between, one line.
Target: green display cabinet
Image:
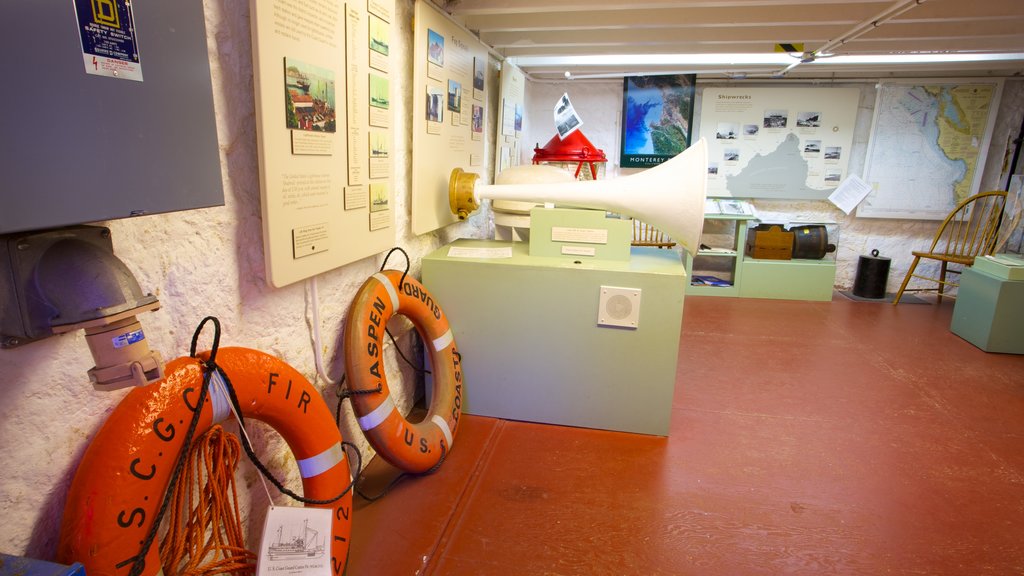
[(563, 340), (788, 279), (721, 262), (989, 312)]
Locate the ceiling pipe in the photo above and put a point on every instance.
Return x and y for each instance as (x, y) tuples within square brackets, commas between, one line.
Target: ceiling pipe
[(896, 9)]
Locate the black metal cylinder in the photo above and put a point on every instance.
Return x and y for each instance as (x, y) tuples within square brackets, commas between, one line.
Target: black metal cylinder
[(872, 276), (811, 241)]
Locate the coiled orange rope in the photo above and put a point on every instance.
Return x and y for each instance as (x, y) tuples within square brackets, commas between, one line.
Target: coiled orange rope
[(204, 536)]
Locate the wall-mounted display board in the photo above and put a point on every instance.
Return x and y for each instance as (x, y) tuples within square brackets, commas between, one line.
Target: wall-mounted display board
[(510, 118), (325, 128), (787, 143), (449, 112), (928, 144)]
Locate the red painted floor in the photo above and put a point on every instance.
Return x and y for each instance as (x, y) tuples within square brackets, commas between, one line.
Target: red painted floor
[(807, 438)]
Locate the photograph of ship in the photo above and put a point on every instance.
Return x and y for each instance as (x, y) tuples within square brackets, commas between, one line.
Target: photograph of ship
[(435, 48), (454, 96), (478, 73), (568, 124), (725, 131), (808, 119), (812, 147), (378, 196), (435, 105), (731, 155), (833, 152), (776, 118), (478, 118), (379, 92), (751, 129), (378, 144), (379, 35), (308, 97), (307, 545)]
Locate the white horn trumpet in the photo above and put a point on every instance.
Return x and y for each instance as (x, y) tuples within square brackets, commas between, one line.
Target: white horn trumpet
[(669, 197)]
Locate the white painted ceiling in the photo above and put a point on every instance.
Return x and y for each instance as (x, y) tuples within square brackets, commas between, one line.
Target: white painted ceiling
[(532, 32)]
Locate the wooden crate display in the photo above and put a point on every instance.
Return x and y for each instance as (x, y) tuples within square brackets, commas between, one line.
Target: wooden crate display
[(770, 242)]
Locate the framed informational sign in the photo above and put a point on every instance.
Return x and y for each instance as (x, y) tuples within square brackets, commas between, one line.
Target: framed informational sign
[(657, 118), (511, 98), (325, 128), (449, 112), (783, 142)]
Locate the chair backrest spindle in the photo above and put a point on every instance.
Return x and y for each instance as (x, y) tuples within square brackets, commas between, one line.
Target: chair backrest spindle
[(971, 228)]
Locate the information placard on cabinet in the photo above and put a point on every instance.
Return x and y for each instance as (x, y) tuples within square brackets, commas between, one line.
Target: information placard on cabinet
[(449, 113), (324, 125)]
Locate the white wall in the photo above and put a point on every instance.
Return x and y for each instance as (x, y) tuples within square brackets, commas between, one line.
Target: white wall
[(198, 263), (599, 103)]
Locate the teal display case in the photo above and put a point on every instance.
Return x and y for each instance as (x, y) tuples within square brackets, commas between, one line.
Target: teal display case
[(989, 312), (570, 341)]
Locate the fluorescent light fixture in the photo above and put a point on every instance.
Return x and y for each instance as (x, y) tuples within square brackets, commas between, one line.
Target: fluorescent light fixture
[(651, 59), (781, 59), (919, 58)]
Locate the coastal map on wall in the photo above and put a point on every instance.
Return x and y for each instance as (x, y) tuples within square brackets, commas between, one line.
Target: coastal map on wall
[(927, 147), (787, 143)]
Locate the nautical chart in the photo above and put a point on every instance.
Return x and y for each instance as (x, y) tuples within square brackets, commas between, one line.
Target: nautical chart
[(927, 147)]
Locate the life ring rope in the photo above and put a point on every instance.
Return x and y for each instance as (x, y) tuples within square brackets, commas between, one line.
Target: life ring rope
[(218, 389), (138, 562), (125, 477), (315, 465)]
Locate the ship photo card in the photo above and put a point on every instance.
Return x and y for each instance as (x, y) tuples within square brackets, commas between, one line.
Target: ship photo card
[(296, 541)]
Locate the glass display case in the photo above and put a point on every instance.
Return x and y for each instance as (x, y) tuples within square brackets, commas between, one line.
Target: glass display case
[(742, 256)]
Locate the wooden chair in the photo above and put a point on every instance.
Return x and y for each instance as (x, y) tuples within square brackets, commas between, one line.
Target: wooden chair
[(646, 235), (970, 230)]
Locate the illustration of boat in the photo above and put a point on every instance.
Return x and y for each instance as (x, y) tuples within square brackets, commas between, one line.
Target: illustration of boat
[(305, 546)]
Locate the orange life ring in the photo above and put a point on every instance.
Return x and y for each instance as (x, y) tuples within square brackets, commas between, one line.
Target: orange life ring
[(411, 447), (122, 478)]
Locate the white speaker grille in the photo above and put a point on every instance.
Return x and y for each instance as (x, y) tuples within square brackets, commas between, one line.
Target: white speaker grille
[(619, 307)]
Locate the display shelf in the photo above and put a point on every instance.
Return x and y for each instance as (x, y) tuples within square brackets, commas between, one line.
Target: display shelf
[(748, 277), (722, 260)]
